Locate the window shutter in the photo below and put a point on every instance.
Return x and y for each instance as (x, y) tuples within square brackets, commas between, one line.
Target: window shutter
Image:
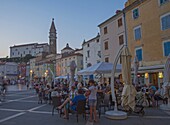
[(165, 22), (166, 48), (139, 54), (137, 33)]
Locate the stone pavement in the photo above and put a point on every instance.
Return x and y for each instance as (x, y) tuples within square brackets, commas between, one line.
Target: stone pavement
[(17, 87), (21, 108)]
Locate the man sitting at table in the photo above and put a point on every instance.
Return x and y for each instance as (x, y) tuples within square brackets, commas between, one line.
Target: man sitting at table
[(73, 103), (72, 94)]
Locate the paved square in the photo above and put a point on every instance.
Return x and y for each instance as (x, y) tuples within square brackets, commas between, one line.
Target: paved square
[(21, 108)]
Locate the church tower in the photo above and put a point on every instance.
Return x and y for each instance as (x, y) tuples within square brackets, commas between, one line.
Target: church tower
[(52, 38)]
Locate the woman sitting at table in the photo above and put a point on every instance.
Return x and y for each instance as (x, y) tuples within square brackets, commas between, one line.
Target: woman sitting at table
[(71, 96)]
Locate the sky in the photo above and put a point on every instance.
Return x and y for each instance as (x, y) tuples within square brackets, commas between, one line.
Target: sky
[(29, 21)]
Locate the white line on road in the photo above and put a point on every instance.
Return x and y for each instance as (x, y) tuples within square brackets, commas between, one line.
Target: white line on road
[(25, 98), (12, 110), (15, 100), (36, 108), (153, 117), (18, 94), (11, 117), (42, 112), (22, 101)]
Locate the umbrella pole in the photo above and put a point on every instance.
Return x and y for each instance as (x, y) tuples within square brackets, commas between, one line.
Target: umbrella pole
[(115, 114)]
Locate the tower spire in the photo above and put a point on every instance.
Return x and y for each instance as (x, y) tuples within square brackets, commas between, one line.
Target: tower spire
[(52, 28), (52, 38)]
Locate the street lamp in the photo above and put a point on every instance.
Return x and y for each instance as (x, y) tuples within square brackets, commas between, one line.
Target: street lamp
[(160, 75), (31, 75)]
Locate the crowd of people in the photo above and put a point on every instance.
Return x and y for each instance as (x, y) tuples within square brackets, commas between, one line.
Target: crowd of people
[(89, 92), (71, 96)]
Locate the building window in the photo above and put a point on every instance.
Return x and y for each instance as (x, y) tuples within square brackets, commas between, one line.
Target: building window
[(86, 59), (88, 53), (137, 33), (16, 49), (24, 52), (18, 53), (166, 48), (88, 45), (121, 40), (29, 52), (135, 13), (120, 23), (105, 30), (165, 21), (13, 54), (97, 40), (107, 59), (163, 1), (106, 47), (99, 54), (139, 54)]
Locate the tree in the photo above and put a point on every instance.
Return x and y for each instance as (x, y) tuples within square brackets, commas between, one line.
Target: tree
[(27, 58)]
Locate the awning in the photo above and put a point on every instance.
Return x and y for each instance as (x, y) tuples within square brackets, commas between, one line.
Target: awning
[(99, 68), (151, 69), (61, 77)]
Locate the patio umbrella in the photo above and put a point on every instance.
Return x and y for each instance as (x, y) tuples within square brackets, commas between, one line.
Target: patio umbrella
[(99, 68), (129, 92), (72, 70), (166, 80), (135, 67)]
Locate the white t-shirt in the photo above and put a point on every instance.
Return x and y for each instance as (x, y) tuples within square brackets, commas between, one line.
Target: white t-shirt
[(79, 85), (93, 93), (54, 93)]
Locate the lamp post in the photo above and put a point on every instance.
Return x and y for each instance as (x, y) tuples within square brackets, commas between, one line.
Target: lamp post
[(160, 79), (46, 74), (31, 75)]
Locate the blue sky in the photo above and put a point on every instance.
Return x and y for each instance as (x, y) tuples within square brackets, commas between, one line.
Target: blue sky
[(28, 21)]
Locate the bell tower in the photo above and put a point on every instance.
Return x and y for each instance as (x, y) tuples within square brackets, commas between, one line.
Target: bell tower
[(52, 39)]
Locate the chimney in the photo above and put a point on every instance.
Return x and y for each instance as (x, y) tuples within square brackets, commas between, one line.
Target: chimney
[(118, 11)]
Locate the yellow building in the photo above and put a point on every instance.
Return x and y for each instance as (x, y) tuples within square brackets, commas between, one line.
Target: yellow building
[(64, 59), (148, 34)]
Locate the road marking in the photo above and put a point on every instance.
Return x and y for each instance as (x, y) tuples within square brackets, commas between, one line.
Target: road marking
[(153, 117), (157, 117), (168, 112), (11, 117), (15, 100), (36, 108), (13, 95), (12, 110), (21, 93), (22, 101), (25, 98), (43, 112)]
